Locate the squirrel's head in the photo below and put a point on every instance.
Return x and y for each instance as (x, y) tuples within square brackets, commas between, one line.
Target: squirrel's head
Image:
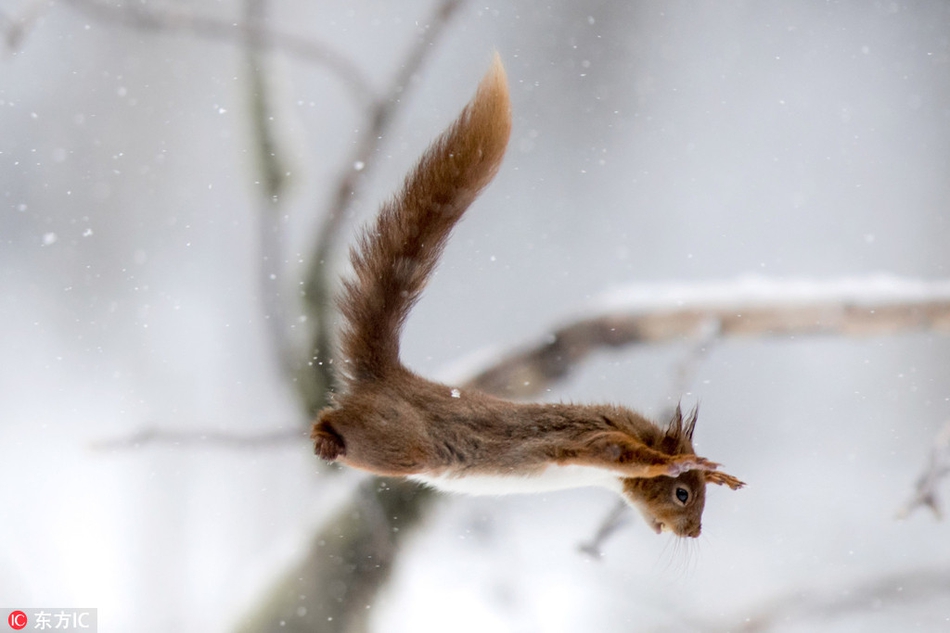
[(672, 504)]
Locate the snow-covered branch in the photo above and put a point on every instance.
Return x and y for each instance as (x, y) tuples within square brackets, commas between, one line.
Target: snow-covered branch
[(752, 306), (746, 307)]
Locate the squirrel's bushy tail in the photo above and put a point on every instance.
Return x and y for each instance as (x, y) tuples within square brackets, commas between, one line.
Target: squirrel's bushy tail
[(394, 256)]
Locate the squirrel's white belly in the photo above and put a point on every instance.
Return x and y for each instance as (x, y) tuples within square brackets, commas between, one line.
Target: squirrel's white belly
[(550, 479)]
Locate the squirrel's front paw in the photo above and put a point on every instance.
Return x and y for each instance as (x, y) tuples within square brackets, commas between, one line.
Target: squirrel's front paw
[(683, 463), (722, 479)]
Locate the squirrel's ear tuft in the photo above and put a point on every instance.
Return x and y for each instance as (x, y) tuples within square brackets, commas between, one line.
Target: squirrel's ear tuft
[(689, 424), (681, 428)]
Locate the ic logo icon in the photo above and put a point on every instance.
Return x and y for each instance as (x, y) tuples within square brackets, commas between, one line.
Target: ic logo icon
[(17, 620)]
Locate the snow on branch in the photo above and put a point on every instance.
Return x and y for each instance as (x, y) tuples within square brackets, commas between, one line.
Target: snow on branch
[(748, 306)]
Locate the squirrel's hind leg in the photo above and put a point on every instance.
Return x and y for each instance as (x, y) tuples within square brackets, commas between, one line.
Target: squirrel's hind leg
[(327, 443)]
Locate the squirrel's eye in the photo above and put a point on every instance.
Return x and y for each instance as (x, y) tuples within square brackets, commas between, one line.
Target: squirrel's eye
[(683, 495)]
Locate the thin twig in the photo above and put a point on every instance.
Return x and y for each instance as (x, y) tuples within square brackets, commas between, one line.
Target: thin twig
[(938, 468), (143, 16), (204, 439), (273, 184), (813, 605), (15, 28), (617, 518), (688, 366), (317, 285)]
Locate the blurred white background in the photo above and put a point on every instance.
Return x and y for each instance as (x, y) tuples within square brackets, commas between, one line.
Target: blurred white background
[(674, 141)]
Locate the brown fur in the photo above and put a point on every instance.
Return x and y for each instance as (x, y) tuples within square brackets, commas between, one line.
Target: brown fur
[(390, 421)]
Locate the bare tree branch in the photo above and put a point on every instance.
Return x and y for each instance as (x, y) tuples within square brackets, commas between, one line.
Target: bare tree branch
[(273, 183), (144, 16), (938, 468)]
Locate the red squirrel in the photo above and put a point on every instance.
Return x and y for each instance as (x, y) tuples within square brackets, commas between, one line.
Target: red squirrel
[(392, 422)]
